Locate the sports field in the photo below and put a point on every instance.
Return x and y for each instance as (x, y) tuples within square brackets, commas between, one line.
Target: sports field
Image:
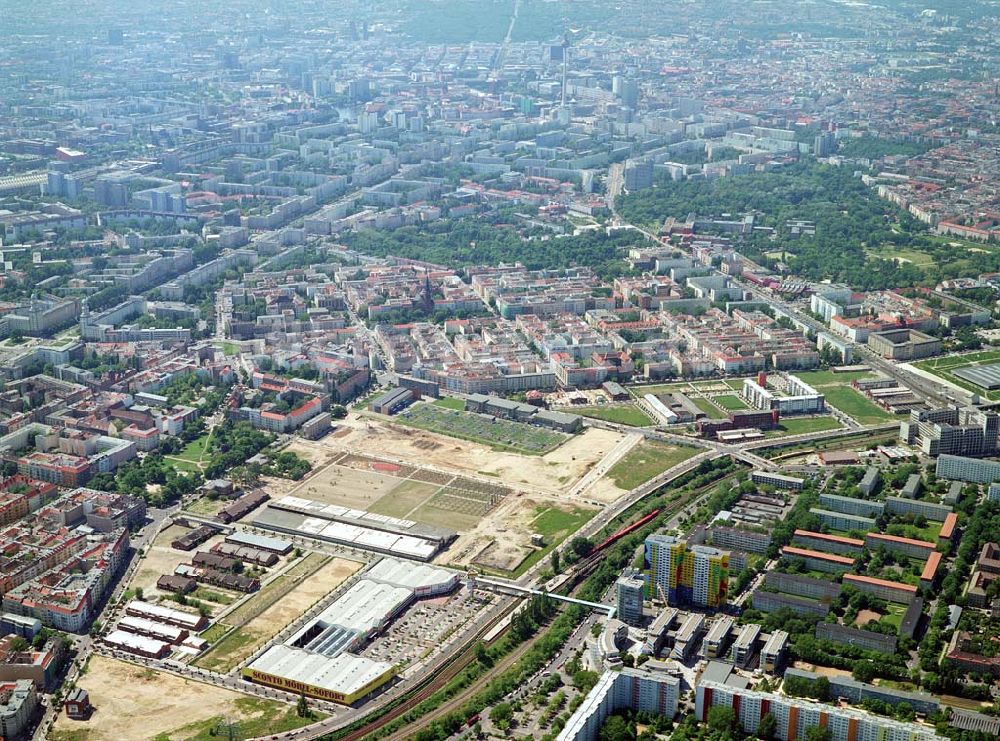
[(500, 434), (400, 490), (943, 367)]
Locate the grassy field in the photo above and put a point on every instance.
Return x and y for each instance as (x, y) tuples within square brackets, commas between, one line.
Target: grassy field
[(730, 402), (854, 405), (829, 378), (661, 388), (555, 525), (499, 434), (257, 718), (221, 657), (195, 449), (943, 367), (803, 425), (450, 402), (709, 408), (646, 460), (621, 415)]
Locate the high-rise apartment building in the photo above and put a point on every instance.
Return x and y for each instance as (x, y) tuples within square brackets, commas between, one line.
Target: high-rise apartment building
[(795, 715), (629, 593), (968, 431), (687, 574)]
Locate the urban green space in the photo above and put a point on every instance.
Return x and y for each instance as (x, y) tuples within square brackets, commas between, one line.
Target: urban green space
[(854, 405), (627, 414), (711, 410), (944, 367), (647, 460)]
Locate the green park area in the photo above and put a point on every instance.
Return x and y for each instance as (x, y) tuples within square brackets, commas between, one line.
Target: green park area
[(710, 409), (730, 402), (621, 414), (554, 524), (646, 460), (855, 405)]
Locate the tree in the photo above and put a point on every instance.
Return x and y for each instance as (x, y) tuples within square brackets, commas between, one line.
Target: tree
[(616, 728), (818, 733), (767, 727), (19, 644), (501, 715), (302, 707), (722, 721), (581, 546), (555, 561)]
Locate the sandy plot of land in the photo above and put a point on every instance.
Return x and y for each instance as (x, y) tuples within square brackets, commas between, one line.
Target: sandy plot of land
[(161, 559), (288, 608), (555, 471), (825, 671), (348, 487), (604, 490), (865, 615), (502, 539), (135, 704)]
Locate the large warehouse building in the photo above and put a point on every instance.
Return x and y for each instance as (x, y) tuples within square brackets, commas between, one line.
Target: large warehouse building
[(392, 536), (317, 660)]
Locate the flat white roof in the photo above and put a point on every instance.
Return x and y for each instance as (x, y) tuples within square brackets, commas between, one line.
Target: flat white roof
[(134, 642), (345, 673), (164, 613), (170, 633), (417, 576), (365, 606)]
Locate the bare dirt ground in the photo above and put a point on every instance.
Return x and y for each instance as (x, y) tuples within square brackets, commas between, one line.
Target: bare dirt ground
[(161, 559), (135, 704), (347, 487), (553, 472), (502, 539), (825, 671), (865, 615)]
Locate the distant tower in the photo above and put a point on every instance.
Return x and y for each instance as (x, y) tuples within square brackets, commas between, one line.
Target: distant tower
[(428, 294)]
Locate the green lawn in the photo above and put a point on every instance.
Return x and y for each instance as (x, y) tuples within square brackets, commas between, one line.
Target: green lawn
[(854, 405), (182, 465), (555, 525), (230, 349), (450, 402), (730, 402), (803, 425), (215, 632), (646, 460), (621, 415), (220, 657), (662, 388), (195, 450), (709, 408), (829, 378)]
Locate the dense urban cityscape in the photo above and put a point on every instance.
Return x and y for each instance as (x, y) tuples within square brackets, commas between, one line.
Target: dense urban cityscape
[(468, 369)]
